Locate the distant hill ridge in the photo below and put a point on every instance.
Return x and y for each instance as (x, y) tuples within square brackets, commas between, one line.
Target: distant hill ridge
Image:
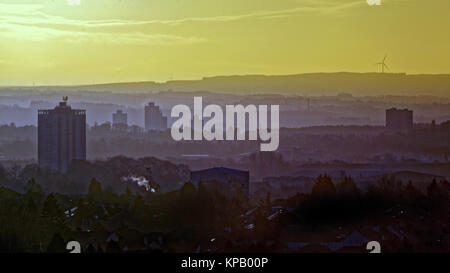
[(301, 84)]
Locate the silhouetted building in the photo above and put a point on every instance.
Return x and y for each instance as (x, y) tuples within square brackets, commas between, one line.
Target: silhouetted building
[(154, 119), (61, 136), (229, 180), (119, 118), (399, 120)]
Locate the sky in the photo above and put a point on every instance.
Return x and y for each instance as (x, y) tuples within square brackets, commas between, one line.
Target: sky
[(65, 42)]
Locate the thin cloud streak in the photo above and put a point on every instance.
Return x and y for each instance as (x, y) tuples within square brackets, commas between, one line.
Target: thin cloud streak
[(29, 22), (38, 34), (43, 18)]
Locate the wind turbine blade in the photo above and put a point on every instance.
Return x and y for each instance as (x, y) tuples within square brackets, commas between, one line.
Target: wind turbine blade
[(385, 58), (386, 67)]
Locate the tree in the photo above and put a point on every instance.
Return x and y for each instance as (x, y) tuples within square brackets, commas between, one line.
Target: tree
[(51, 208), (151, 183), (95, 188), (347, 187), (433, 191), (57, 244), (411, 193), (268, 199), (187, 191), (32, 187), (139, 205), (110, 196), (323, 187), (127, 197)]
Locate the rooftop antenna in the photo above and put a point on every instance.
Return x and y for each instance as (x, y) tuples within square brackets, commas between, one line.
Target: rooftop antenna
[(383, 64)]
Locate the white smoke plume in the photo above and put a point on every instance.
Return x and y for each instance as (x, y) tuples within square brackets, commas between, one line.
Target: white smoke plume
[(140, 181)]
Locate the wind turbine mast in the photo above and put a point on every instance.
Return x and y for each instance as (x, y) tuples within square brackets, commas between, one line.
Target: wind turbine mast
[(383, 64)]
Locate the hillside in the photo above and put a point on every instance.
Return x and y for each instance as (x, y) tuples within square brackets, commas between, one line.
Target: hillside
[(304, 84), (300, 84)]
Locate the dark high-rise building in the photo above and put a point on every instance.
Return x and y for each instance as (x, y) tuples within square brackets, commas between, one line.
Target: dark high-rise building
[(119, 118), (154, 119), (61, 136), (399, 120)]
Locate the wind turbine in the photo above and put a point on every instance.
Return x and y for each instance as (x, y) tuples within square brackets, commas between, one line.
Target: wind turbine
[(383, 64)]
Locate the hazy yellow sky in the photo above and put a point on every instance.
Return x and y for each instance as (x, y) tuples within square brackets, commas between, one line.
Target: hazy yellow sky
[(87, 41)]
